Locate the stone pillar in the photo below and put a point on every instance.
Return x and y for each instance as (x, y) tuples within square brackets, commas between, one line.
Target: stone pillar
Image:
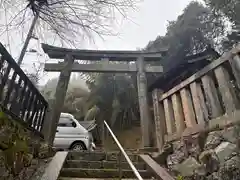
[(60, 94), (143, 103)]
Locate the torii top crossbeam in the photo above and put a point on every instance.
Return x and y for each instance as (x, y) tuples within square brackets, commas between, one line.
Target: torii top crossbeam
[(96, 55)]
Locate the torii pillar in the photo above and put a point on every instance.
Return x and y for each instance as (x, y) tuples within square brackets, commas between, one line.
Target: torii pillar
[(143, 102)]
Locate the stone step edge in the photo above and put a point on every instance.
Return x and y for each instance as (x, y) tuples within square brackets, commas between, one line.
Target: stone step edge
[(102, 173), (130, 153), (100, 170), (103, 161), (97, 164), (69, 178), (106, 157)]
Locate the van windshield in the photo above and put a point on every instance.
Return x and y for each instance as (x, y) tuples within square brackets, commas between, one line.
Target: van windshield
[(68, 122), (65, 122)]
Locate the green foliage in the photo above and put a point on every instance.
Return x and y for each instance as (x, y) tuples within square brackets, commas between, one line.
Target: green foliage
[(179, 177), (195, 30), (229, 10), (14, 144)]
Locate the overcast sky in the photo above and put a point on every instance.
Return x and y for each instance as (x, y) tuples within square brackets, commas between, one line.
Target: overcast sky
[(149, 21)]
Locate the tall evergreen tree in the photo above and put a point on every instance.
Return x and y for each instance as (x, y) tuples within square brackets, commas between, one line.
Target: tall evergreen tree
[(194, 30), (230, 11)]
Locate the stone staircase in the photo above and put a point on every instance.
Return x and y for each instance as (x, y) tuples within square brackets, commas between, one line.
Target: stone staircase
[(102, 165), (105, 165)]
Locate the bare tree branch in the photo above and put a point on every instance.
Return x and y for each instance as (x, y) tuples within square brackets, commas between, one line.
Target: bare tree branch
[(73, 20)]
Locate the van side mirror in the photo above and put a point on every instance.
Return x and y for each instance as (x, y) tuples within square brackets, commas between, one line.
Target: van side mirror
[(74, 124)]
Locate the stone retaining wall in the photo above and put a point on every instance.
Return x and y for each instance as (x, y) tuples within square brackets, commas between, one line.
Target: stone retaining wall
[(19, 148), (209, 156)]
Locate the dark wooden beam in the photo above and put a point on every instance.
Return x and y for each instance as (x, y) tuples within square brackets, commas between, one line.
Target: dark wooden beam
[(96, 55), (159, 172), (111, 68)]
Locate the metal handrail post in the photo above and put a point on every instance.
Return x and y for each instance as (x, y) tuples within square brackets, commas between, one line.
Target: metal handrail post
[(135, 171)]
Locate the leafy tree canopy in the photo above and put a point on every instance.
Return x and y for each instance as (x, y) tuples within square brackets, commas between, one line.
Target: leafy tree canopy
[(194, 30), (230, 11)]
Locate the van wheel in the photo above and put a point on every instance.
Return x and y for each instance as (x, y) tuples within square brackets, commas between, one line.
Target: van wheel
[(78, 146)]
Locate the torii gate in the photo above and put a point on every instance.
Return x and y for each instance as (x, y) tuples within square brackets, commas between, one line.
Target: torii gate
[(68, 66)]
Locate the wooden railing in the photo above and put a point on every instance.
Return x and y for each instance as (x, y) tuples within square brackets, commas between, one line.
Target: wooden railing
[(18, 96), (205, 96)]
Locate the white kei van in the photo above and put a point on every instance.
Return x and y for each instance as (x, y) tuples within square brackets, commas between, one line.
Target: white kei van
[(72, 135)]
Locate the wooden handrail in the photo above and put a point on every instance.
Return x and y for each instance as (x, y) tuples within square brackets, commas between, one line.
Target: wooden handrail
[(19, 71), (19, 96), (225, 57), (159, 171), (193, 78)]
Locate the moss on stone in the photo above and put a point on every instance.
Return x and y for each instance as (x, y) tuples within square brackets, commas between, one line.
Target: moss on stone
[(16, 144)]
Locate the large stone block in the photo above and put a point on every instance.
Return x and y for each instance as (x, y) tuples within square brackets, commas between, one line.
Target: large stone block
[(213, 140), (175, 158), (209, 160), (230, 134), (230, 170), (224, 151), (233, 162), (188, 167)]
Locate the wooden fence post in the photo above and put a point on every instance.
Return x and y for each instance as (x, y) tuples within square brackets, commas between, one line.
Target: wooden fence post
[(212, 96), (159, 118), (196, 96), (235, 64), (46, 129), (188, 109), (178, 113), (170, 121), (229, 96)]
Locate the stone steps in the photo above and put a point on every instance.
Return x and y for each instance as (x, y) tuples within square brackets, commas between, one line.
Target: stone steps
[(69, 178), (100, 156), (101, 173), (101, 164)]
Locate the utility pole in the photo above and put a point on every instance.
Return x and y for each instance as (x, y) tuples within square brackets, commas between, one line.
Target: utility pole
[(28, 38)]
